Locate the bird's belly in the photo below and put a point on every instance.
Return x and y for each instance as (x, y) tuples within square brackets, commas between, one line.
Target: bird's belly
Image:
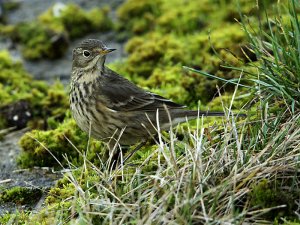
[(105, 124), (94, 121)]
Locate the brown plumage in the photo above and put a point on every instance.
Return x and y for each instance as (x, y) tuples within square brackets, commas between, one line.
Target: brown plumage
[(104, 103)]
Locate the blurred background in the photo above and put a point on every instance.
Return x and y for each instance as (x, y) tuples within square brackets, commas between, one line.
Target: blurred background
[(17, 12)]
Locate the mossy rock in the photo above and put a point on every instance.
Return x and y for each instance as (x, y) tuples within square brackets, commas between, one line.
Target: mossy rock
[(177, 16), (75, 21), (18, 217), (137, 16), (20, 195), (267, 194), (201, 50), (16, 85), (158, 59), (48, 36), (38, 41), (182, 17), (149, 52), (51, 147)]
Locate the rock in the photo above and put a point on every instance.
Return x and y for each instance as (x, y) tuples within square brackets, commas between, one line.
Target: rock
[(16, 114)]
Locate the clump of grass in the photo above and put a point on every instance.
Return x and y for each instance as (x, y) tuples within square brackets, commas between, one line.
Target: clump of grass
[(278, 51), (273, 68), (210, 177)]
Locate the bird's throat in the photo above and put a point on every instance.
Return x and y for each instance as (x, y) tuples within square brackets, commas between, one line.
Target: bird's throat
[(90, 72), (100, 63)]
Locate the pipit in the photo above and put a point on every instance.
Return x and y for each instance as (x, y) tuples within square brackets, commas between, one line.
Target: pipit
[(108, 106)]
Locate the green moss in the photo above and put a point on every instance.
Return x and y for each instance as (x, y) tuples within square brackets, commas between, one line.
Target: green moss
[(63, 20), (266, 195), (99, 19), (228, 35), (20, 195), (16, 84), (226, 99), (47, 36), (138, 16), (62, 191), (181, 17), (7, 6), (185, 17), (19, 217), (56, 101), (155, 49), (150, 52), (159, 59), (60, 141), (35, 39)]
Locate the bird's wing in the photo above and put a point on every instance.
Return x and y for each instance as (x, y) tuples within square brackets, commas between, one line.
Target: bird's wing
[(122, 95)]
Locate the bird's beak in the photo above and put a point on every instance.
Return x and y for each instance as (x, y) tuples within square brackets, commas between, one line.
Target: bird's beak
[(106, 51)]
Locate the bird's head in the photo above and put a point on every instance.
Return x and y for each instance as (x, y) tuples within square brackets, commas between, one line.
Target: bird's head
[(90, 54)]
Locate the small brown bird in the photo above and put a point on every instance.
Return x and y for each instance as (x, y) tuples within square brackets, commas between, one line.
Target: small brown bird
[(103, 103)]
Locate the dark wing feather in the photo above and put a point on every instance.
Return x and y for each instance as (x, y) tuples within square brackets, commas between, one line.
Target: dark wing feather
[(122, 95)]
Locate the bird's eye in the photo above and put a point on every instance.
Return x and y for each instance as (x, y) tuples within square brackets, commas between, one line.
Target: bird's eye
[(86, 53)]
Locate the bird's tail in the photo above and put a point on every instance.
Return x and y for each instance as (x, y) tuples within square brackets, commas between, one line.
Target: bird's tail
[(190, 114), (183, 115), (196, 113)]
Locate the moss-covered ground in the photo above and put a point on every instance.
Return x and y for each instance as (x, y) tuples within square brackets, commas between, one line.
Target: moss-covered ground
[(212, 171)]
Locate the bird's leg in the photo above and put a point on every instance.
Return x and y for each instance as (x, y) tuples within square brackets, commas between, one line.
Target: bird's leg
[(113, 165), (138, 147), (114, 151)]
